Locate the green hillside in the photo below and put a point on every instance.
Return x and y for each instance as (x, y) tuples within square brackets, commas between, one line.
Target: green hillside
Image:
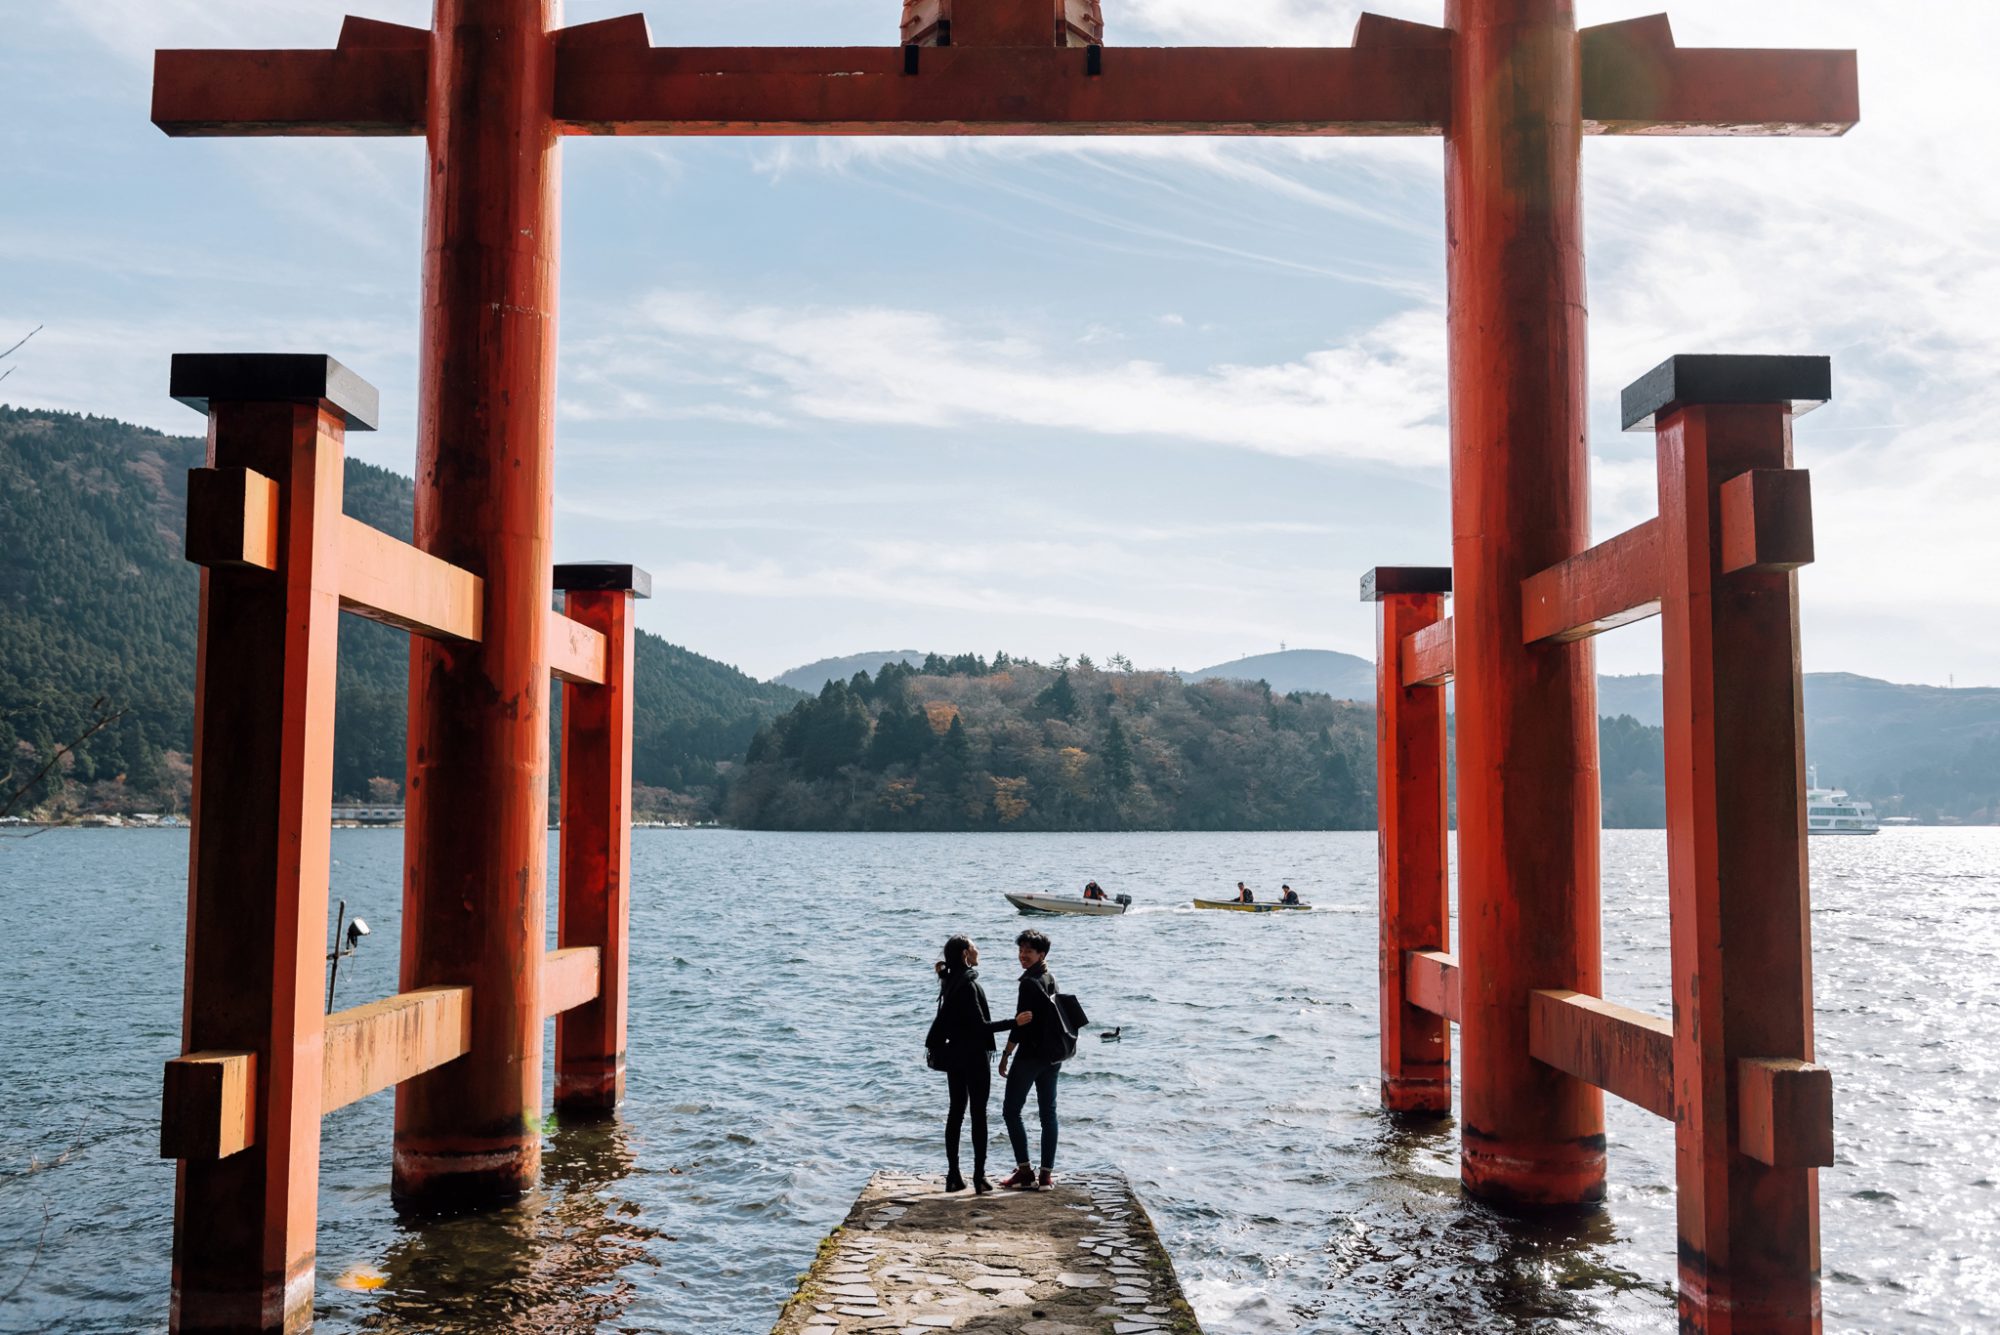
[(963, 744), (97, 603), (97, 618)]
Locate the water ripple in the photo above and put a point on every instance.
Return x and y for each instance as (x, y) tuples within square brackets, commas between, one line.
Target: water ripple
[(780, 991)]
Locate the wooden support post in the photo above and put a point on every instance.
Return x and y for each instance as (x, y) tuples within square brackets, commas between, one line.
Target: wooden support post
[(1428, 655), (597, 834), (258, 859), (1613, 584), (1736, 850), (379, 1045), (1410, 761), (570, 978), (476, 850), (1528, 796), (1619, 1050), (1430, 982)]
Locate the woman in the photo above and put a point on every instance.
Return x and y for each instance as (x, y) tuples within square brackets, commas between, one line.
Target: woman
[(964, 1030)]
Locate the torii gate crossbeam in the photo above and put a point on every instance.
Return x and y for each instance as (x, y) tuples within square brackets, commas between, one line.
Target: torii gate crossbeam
[(494, 85)]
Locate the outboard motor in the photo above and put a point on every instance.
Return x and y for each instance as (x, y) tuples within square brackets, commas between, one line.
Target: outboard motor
[(1124, 899)]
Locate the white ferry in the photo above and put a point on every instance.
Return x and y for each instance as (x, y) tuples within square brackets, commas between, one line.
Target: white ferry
[(1832, 811)]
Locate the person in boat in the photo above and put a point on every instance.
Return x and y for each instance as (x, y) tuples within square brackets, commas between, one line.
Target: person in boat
[(1092, 890), (1043, 1044), (963, 1031), (1243, 895), (1289, 896)]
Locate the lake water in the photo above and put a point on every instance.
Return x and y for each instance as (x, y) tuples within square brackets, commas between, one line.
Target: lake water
[(781, 987)]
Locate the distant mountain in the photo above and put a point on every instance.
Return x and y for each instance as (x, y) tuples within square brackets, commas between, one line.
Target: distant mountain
[(1342, 676), (1924, 751), (96, 600), (813, 676), (1636, 696)]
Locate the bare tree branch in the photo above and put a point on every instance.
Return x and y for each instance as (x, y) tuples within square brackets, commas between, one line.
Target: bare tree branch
[(23, 343), (106, 716), (33, 1261)]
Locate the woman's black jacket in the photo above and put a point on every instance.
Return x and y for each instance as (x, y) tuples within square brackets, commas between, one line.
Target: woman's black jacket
[(964, 1021)]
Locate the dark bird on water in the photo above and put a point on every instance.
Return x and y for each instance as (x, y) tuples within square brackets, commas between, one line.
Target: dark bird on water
[(1111, 1035)]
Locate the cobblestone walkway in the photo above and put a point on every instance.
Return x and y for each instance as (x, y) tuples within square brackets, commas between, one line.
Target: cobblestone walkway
[(1081, 1259)]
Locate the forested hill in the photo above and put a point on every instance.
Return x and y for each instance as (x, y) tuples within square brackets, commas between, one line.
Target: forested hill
[(963, 744), (97, 603)]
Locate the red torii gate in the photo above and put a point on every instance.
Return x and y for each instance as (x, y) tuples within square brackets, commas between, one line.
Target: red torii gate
[(494, 85)]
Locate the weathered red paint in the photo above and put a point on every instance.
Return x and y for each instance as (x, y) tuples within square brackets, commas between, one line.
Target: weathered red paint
[(1415, 856), (1527, 717), (257, 875), (1736, 870), (1637, 82), (476, 848), (1619, 1050), (596, 854), (377, 1046), (1002, 90), (1394, 80)]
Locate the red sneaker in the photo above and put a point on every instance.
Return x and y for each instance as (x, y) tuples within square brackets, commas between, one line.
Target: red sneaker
[(1023, 1180)]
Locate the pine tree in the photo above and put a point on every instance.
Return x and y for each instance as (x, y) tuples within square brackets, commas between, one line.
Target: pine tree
[(1060, 698), (957, 747)]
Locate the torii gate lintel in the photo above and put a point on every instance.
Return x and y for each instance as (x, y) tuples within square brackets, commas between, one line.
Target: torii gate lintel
[(1393, 80)]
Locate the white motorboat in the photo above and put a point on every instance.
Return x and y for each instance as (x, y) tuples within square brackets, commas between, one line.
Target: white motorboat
[(1832, 811), (1090, 908)]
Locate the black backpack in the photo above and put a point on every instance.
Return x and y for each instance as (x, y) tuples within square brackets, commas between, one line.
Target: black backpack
[(1069, 1013)]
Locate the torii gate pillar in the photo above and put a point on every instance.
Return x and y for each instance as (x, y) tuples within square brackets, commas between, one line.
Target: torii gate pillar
[(477, 848), (1520, 501)]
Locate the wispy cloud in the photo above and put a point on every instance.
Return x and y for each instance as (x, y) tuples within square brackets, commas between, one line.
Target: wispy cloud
[(913, 587), (1377, 397)]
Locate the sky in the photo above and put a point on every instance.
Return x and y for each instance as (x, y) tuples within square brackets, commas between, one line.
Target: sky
[(1161, 397)]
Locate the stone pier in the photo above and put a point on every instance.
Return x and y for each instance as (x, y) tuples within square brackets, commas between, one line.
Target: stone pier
[(1080, 1259)]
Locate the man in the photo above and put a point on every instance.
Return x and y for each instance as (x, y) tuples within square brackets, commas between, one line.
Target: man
[(1092, 890), (1044, 1043), (1290, 896), (1243, 895)]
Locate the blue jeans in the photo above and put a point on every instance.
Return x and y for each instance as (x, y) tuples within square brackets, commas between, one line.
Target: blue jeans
[(1041, 1075)]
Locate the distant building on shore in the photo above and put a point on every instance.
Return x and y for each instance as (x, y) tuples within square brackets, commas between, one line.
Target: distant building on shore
[(370, 814)]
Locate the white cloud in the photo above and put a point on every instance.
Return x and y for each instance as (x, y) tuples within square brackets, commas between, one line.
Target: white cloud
[(1377, 397), (918, 585)]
